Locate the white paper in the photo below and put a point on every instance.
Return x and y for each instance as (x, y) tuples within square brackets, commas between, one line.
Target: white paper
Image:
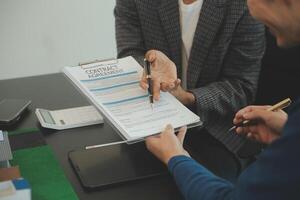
[(114, 89)]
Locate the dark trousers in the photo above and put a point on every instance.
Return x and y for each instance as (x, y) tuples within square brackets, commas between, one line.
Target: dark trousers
[(212, 154)]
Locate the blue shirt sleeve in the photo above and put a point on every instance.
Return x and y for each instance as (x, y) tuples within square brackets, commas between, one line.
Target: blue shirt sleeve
[(196, 182), (275, 175)]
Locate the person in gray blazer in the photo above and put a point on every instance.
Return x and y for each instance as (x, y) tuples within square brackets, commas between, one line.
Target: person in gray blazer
[(213, 46)]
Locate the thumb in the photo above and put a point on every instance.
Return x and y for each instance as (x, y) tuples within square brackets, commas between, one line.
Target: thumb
[(181, 134), (169, 128)]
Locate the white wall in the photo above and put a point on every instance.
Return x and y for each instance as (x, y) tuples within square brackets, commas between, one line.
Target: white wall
[(42, 36)]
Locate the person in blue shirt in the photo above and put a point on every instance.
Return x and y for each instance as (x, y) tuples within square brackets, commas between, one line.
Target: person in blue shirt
[(276, 172)]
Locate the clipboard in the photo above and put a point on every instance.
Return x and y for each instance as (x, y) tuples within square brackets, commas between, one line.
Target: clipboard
[(84, 65), (113, 165), (115, 94)]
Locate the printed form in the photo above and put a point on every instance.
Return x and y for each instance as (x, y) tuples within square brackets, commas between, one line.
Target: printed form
[(113, 86)]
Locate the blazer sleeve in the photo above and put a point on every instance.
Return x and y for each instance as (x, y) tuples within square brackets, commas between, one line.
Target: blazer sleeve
[(129, 37), (237, 84)]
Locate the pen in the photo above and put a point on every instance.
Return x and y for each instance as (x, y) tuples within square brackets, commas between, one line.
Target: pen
[(281, 105), (147, 69), (104, 145)]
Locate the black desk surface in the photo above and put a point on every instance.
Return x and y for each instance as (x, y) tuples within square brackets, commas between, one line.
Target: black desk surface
[(54, 91)]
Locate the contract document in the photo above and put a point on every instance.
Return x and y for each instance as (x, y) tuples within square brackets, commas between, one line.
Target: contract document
[(113, 87)]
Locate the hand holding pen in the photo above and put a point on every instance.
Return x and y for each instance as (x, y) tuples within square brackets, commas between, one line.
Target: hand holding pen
[(262, 123), (163, 74)]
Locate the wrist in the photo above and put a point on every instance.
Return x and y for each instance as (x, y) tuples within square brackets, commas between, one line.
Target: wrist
[(186, 98), (171, 154), (168, 157), (189, 98)]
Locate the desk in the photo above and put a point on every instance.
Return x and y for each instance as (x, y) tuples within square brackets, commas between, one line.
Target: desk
[(63, 95)]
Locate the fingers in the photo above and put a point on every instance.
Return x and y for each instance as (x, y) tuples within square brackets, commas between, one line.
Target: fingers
[(170, 85), (246, 130), (239, 115), (168, 130), (257, 115), (251, 108), (156, 89), (151, 55), (163, 74), (149, 140), (143, 83), (165, 87), (157, 86), (251, 136), (177, 83), (181, 134), (152, 141)]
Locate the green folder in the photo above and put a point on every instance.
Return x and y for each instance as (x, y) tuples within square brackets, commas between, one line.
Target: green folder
[(47, 180)]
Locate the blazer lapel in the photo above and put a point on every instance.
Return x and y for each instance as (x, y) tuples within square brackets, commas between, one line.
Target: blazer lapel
[(210, 19), (169, 15)]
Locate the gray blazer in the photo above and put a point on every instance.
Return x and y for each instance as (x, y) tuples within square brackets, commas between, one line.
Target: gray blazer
[(225, 59)]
